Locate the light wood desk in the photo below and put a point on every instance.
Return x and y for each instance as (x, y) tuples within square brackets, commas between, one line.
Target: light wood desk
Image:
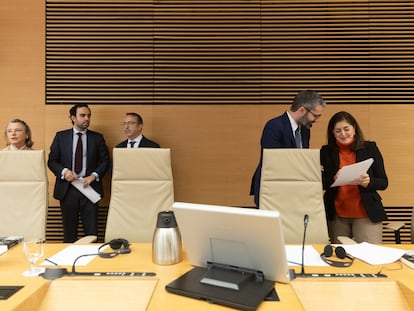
[(12, 264)]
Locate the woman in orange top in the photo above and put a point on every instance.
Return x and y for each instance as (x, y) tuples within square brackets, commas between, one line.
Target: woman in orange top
[(353, 210)]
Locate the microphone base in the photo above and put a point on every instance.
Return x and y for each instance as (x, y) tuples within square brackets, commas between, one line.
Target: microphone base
[(119, 274), (341, 275)]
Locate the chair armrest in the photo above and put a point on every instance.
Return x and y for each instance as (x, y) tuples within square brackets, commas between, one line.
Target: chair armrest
[(346, 240), (87, 239), (394, 225)]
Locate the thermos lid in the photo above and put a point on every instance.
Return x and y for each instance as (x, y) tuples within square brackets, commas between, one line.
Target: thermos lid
[(166, 219)]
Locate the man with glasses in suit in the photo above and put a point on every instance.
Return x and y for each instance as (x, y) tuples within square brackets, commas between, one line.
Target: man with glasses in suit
[(132, 126), (289, 130)]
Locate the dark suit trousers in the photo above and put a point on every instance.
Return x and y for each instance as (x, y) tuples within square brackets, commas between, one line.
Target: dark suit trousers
[(73, 205)]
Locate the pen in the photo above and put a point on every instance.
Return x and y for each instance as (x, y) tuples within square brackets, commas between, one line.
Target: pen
[(53, 263), (294, 263)]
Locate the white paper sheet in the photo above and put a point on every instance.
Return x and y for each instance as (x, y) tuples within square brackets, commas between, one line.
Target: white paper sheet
[(348, 173), (89, 192), (373, 254), (67, 256), (311, 256)]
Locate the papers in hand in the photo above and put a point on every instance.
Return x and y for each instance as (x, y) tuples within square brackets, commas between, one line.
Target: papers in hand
[(348, 173), (88, 191)]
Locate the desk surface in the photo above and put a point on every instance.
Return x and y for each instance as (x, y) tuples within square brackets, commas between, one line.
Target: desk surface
[(400, 277)]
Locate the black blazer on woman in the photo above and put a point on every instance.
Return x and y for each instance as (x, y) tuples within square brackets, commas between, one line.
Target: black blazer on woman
[(378, 180)]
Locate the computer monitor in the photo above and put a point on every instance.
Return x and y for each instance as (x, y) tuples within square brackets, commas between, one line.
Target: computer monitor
[(241, 237)]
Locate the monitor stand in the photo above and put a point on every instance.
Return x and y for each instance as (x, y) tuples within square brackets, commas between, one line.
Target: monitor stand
[(231, 277), (227, 285)]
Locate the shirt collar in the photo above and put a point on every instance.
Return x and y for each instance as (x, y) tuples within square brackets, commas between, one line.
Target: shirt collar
[(136, 139), (75, 131), (293, 123)]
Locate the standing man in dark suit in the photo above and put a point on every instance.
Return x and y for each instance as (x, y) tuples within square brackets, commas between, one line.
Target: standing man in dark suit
[(289, 130), (133, 125), (69, 161)]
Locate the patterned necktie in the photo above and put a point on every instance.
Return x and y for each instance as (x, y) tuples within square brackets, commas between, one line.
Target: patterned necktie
[(298, 139), (132, 143), (78, 154)]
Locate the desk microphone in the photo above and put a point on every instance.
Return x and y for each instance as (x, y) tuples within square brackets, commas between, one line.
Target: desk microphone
[(100, 254), (54, 273), (329, 275), (73, 272), (106, 255), (305, 225)]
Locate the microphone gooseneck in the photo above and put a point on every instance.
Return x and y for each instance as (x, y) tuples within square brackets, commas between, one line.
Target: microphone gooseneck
[(330, 275), (305, 225), (73, 272)]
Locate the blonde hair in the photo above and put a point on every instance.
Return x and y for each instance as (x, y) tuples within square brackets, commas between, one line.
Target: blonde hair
[(28, 142)]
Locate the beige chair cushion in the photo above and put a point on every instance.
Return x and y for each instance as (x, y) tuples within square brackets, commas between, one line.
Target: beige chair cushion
[(291, 184), (142, 186), (23, 193)]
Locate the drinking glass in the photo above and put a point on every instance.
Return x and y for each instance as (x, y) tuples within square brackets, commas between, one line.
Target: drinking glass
[(33, 251)]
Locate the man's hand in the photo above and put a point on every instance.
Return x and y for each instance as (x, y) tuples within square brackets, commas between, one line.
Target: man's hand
[(88, 180), (70, 176)]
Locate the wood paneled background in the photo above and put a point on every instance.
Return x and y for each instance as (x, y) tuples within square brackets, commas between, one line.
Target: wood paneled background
[(215, 148)]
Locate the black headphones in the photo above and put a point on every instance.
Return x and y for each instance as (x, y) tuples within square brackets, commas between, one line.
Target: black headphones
[(340, 253), (119, 246)]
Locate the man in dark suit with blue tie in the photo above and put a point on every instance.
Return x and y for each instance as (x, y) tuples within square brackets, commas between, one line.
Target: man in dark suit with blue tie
[(133, 125), (78, 153), (289, 130)]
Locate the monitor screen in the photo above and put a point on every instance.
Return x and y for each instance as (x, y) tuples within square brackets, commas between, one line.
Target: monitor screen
[(241, 237)]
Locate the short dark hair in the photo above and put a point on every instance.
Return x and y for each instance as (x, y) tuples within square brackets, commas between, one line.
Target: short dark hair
[(308, 99), (74, 109), (136, 115), (359, 141)]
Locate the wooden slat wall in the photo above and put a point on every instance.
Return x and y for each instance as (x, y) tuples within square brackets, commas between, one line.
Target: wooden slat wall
[(54, 230), (207, 52), (228, 51), (400, 214), (99, 52), (232, 52)]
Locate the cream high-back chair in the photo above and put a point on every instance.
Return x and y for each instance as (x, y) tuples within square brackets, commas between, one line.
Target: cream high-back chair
[(23, 193), (292, 184), (142, 186)]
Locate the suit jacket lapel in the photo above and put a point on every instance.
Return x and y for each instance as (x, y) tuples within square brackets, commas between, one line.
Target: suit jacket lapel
[(287, 128)]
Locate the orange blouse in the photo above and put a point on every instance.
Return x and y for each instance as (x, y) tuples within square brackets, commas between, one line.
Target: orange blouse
[(348, 202)]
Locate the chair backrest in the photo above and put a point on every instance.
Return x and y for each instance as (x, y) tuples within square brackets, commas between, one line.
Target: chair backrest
[(292, 184), (142, 186), (23, 193)]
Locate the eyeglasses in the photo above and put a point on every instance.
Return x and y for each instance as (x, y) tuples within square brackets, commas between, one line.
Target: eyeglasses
[(316, 116), (129, 123)]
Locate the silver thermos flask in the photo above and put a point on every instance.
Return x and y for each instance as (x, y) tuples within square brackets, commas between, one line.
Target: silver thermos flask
[(166, 241)]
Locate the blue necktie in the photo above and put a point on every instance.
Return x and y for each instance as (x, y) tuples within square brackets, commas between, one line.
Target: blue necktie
[(132, 143)]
